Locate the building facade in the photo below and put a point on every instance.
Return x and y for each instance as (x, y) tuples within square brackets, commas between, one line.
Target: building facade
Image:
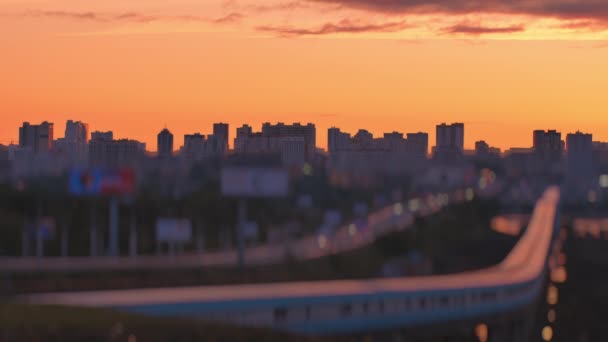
[(116, 153), (107, 136), (308, 132), (337, 140), (220, 131), (548, 145), (449, 142), (37, 138), (164, 144)]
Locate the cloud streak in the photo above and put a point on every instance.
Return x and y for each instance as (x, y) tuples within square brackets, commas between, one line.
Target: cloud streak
[(561, 9), (229, 18), (130, 17), (279, 6), (342, 26), (478, 30)]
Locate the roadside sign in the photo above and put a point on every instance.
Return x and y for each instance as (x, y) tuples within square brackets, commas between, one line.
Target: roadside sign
[(173, 230), (101, 181), (254, 182)]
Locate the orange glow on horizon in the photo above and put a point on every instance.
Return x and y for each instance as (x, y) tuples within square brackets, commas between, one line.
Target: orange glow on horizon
[(186, 65)]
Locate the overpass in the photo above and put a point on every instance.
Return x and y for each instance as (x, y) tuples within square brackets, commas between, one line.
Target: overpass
[(350, 306)]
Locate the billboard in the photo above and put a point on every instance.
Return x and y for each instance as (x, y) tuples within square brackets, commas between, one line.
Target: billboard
[(254, 182), (173, 230), (101, 181)]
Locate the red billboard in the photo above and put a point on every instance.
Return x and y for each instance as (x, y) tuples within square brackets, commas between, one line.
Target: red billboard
[(102, 182)]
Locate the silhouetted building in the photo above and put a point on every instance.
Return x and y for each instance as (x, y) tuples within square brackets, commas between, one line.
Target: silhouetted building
[(116, 153), (164, 144), (418, 144), (548, 145), (106, 136), (451, 136), (198, 147), (482, 149), (519, 162), (415, 145), (294, 143), (38, 138), (600, 156), (308, 132), (579, 155), (363, 138), (337, 140), (244, 131), (4, 162), (76, 132), (73, 146), (220, 130), (449, 144), (293, 150), (365, 160)]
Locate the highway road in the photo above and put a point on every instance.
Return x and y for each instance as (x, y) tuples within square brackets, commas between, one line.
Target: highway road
[(347, 237)]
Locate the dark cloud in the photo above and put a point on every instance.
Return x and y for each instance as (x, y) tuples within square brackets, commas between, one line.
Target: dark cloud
[(90, 16), (563, 9), (229, 18), (477, 30), (343, 26), (281, 6), (584, 25), (133, 17)]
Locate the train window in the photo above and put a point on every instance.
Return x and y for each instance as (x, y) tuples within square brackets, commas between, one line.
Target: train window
[(381, 306), (365, 307), (422, 302), (488, 296), (346, 309), (307, 312), (444, 301), (460, 300), (280, 315), (407, 303)]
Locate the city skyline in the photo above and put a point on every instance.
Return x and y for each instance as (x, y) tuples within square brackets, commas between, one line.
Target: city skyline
[(503, 136), (348, 64), (451, 139)]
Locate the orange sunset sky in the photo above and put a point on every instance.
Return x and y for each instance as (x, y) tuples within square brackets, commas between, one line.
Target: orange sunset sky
[(503, 67)]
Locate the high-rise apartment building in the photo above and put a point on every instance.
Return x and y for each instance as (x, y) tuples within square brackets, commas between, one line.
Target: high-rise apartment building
[(450, 136), (73, 146), (548, 145), (39, 138), (294, 143), (449, 142), (198, 146), (337, 140), (244, 131), (76, 132), (115, 153), (220, 131), (579, 155), (107, 136), (164, 144), (307, 131), (418, 144)]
